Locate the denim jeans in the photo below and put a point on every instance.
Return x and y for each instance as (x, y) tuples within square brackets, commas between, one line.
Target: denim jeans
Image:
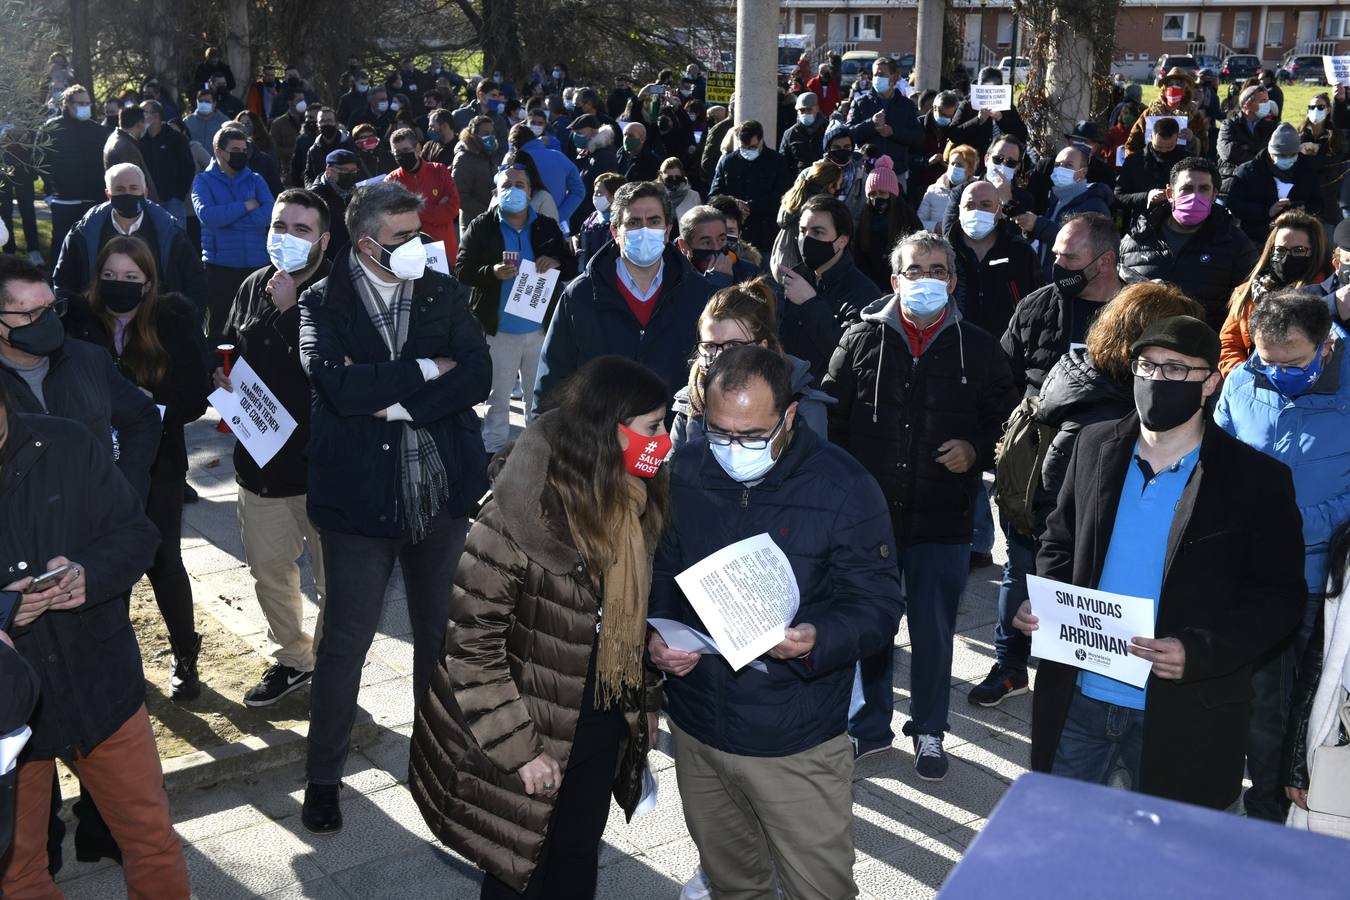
[(1012, 648), (1273, 690), (357, 570), (1098, 737), (934, 577), (982, 541)]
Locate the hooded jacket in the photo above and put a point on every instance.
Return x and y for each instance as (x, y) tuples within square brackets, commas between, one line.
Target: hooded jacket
[(894, 411), (1252, 191), (1096, 197), (516, 671), (232, 235), (473, 171), (811, 405), (825, 513), (1215, 260)]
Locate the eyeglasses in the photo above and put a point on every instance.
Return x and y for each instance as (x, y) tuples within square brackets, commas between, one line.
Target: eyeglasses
[(712, 349), (1144, 368), (1282, 252), (749, 442), (1005, 161), (57, 306), (914, 273)]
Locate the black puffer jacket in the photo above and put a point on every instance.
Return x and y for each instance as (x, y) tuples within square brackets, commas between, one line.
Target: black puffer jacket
[(1037, 336), (1075, 394), (1215, 260), (894, 411)]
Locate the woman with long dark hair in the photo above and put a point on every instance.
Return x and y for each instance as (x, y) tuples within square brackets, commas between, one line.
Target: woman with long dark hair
[(541, 707), (155, 340)]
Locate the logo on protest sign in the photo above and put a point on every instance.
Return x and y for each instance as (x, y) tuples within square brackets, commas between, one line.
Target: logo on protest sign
[(1090, 629)]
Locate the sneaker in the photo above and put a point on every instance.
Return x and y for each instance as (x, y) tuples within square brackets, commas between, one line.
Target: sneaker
[(999, 684), (697, 887), (184, 684), (930, 760), (981, 561), (277, 682), (863, 749)]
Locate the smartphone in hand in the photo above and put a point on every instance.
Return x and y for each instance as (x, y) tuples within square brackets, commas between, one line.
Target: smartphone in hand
[(9, 608), (48, 579)]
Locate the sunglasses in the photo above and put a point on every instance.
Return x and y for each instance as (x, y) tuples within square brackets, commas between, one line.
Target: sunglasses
[(1005, 161), (1316, 106)]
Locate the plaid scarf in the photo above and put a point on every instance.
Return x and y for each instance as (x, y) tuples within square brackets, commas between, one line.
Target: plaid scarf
[(425, 487)]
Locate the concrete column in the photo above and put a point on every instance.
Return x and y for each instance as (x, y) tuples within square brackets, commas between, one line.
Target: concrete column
[(757, 65), (1260, 36), (928, 45)]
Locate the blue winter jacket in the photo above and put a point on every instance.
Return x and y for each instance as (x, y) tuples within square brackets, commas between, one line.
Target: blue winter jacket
[(1309, 433), (232, 236), (1096, 198), (560, 176), (823, 509)]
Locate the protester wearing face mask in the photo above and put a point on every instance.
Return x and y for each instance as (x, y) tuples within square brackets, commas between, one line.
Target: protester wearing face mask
[(260, 158), (935, 123), (821, 180), (758, 175), (1126, 115), (1246, 131), (885, 218), (961, 162), (264, 327), (488, 101), (1142, 181), (235, 207), (178, 265), (433, 183), (1288, 400), (595, 231), (1296, 255), (1280, 178), (577, 511), (637, 298), (1322, 143), (330, 137), (1070, 193), (593, 144), (154, 339), (922, 400), (826, 88), (355, 101), (122, 145), (1176, 97), (802, 145), (757, 469), (512, 227), (1138, 491), (683, 197), (285, 128), (205, 119), (397, 362), (980, 128), (72, 160), (839, 149), (335, 188), (885, 116), (375, 158)]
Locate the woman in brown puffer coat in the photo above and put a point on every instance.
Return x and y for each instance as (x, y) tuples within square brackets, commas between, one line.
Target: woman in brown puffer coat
[(541, 706), (1176, 97)]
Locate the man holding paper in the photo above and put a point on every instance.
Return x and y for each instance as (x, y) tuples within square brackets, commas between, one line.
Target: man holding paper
[(762, 754), (1150, 509), (496, 244)]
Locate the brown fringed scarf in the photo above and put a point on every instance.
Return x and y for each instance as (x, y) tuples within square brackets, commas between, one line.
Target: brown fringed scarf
[(623, 613)]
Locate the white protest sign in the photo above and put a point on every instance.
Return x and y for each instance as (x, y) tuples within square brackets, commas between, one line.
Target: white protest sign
[(1089, 629), (746, 594), (1337, 68), (531, 292), (1120, 156), (993, 97), (436, 260), (1182, 124), (1283, 188), (253, 413)]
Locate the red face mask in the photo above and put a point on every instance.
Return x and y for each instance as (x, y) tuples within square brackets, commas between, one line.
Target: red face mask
[(645, 453), (1174, 95), (368, 144)]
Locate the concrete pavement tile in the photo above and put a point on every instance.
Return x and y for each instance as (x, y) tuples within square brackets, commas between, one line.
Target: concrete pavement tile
[(247, 863), (968, 793), (318, 889), (1004, 756), (99, 884), (375, 825), (660, 826), (422, 870), (636, 878), (279, 792), (393, 652), (394, 618), (913, 872), (209, 559), (882, 828), (389, 751), (390, 702), (374, 672), (677, 859), (203, 813)]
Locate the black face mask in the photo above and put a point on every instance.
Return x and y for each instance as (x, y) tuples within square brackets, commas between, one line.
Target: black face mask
[(703, 260), (840, 156), (41, 338), (672, 182), (1288, 269), (237, 159), (1343, 275), (128, 206), (120, 297), (346, 180), (1164, 405), (328, 132), (1070, 281), (815, 252), (880, 207), (406, 161)]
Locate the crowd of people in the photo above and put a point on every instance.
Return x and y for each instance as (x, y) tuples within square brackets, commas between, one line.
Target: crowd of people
[(831, 338)]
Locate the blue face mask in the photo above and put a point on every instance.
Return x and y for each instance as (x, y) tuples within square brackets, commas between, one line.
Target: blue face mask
[(513, 200), (943, 121), (1064, 184), (489, 143), (494, 107), (644, 246), (1291, 381), (923, 297), (1284, 163), (881, 84)]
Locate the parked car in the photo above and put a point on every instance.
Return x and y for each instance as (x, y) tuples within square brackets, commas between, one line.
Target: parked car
[(1169, 61), (1208, 61), (856, 61), (905, 63), (1295, 69), (1239, 67), (1005, 65)]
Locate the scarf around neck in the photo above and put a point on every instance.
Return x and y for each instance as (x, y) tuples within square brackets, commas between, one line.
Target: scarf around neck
[(623, 612)]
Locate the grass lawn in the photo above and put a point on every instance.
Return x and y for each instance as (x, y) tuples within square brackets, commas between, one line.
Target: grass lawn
[(1296, 98)]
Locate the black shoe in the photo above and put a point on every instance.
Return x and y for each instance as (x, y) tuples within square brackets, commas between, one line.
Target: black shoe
[(999, 684), (93, 839), (189, 493), (184, 685), (981, 561), (930, 760), (321, 812), (276, 682), (864, 749)]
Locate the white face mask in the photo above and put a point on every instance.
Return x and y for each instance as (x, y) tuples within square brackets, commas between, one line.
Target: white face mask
[(742, 464), (537, 129), (407, 261), (83, 112), (1007, 172), (601, 203), (956, 174), (977, 223), (882, 84), (381, 106), (923, 297), (301, 106), (288, 252), (749, 154), (1317, 116)]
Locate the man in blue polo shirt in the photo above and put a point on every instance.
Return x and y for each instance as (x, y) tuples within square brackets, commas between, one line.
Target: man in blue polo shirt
[(1164, 504)]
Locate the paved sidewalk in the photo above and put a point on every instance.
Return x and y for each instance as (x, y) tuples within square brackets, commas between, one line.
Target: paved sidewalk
[(243, 836)]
